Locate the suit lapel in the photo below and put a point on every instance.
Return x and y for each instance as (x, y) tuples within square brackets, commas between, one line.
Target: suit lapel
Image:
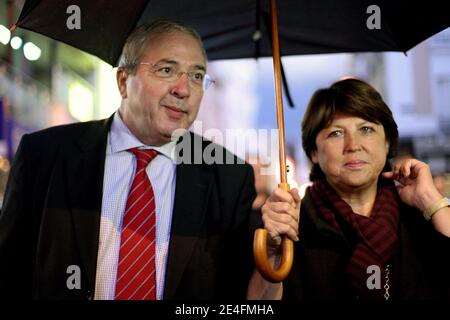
[(84, 171), (193, 184)]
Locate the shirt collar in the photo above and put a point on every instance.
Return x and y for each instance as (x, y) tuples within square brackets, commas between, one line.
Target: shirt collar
[(122, 139)]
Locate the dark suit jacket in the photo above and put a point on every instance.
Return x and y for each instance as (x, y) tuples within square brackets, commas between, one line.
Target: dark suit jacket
[(51, 213)]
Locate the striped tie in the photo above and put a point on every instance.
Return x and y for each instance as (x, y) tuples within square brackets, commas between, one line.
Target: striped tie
[(136, 272)]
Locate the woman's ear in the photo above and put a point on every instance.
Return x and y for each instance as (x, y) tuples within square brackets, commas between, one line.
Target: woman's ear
[(314, 157)]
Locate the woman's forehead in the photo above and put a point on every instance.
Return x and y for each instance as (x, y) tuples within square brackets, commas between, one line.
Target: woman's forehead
[(343, 118)]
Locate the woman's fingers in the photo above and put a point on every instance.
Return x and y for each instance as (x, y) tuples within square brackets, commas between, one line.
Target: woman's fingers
[(281, 195), (278, 228), (295, 195), (281, 214)]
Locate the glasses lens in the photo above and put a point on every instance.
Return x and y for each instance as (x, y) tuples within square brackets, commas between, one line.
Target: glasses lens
[(207, 81)]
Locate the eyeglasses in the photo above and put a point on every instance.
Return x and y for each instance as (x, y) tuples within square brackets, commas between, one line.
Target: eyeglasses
[(171, 72)]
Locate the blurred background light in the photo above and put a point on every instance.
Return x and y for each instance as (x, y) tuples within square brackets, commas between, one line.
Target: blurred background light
[(31, 51), (81, 102), (16, 42), (5, 34)]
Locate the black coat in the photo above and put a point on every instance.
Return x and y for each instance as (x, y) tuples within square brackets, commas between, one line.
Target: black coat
[(420, 271), (51, 219)]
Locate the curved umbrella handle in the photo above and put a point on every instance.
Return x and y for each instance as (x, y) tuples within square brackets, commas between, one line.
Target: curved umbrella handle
[(262, 261), (260, 253)]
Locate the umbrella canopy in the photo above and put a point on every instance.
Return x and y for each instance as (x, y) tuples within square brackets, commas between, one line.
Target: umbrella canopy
[(241, 28)]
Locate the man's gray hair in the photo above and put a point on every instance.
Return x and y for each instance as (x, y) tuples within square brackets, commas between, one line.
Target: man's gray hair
[(137, 41)]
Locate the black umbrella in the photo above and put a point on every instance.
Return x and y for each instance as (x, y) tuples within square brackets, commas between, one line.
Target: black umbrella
[(242, 29)]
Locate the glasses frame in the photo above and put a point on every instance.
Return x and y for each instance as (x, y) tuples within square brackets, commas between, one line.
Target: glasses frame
[(207, 80)]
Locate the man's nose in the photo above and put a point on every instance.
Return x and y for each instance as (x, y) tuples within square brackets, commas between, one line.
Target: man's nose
[(181, 87)]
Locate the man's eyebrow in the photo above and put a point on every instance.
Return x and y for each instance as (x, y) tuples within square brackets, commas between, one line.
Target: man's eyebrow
[(174, 62), (200, 67), (169, 61)]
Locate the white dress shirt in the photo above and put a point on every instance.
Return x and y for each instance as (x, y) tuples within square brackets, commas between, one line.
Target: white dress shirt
[(120, 167)]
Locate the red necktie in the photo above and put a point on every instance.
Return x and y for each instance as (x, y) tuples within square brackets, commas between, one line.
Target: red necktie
[(136, 272)]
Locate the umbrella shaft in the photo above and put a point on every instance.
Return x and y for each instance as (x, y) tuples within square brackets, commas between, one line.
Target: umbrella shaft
[(278, 92)]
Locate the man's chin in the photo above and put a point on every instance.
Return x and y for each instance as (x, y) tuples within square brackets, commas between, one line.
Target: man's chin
[(173, 134)]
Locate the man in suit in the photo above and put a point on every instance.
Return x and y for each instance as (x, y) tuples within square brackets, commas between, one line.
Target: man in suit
[(105, 210)]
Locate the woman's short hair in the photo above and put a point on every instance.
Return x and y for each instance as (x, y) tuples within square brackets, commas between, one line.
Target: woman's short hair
[(350, 96), (139, 38)]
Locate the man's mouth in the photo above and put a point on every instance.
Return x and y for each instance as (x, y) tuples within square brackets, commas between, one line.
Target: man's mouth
[(174, 112)]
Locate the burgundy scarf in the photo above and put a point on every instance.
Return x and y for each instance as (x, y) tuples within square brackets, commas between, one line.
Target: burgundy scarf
[(376, 235)]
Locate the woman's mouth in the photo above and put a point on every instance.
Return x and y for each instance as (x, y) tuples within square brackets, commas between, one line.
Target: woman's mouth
[(355, 164)]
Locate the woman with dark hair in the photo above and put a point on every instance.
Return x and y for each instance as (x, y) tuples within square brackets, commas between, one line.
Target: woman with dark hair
[(361, 236)]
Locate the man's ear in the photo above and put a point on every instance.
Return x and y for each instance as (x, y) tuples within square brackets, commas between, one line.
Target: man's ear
[(121, 77)]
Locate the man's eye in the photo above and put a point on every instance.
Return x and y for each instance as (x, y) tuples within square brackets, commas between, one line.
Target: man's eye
[(197, 76), (164, 71)]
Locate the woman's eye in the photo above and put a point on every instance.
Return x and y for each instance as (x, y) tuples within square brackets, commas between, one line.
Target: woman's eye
[(335, 133), (367, 130)]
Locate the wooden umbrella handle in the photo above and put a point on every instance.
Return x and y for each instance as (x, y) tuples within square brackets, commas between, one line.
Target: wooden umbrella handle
[(262, 260), (260, 240)]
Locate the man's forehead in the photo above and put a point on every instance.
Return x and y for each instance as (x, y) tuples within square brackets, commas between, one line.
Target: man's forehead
[(176, 47)]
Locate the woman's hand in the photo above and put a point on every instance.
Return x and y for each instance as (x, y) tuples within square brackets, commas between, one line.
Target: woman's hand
[(281, 214), (417, 188)]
